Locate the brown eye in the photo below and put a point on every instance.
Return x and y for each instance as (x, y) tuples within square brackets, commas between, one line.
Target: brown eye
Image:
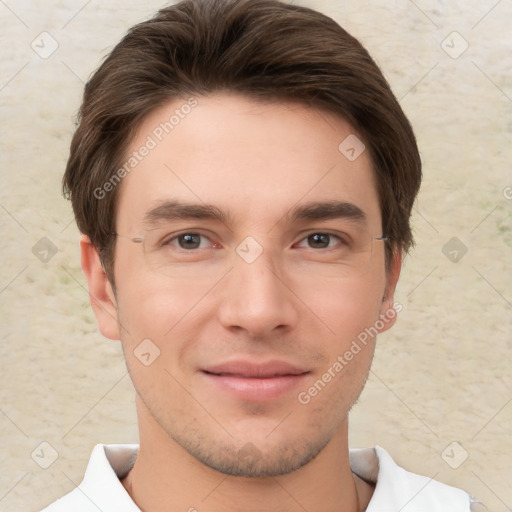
[(320, 240), (188, 241)]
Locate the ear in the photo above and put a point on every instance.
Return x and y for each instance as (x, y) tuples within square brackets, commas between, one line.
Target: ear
[(101, 294), (388, 312)]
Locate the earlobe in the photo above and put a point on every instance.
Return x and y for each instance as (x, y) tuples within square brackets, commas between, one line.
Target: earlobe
[(101, 294), (388, 311)]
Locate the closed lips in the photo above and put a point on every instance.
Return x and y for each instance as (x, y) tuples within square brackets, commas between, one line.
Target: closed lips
[(243, 369)]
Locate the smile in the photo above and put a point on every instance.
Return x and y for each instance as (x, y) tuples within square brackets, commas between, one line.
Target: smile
[(249, 381)]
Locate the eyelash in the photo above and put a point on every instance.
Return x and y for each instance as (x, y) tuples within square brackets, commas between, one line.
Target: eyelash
[(175, 237)]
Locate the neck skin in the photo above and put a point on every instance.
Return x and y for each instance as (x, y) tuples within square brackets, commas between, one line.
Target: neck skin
[(166, 477)]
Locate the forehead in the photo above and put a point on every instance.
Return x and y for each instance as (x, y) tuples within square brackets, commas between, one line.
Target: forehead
[(253, 161)]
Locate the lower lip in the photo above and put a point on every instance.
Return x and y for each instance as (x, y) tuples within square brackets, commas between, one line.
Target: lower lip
[(258, 389)]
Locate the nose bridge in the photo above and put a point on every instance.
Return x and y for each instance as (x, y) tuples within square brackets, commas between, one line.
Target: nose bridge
[(255, 297)]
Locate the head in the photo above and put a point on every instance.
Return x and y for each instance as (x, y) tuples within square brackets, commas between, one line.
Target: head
[(259, 110)]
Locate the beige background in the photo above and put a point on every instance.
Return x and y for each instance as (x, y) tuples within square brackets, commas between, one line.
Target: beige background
[(442, 374)]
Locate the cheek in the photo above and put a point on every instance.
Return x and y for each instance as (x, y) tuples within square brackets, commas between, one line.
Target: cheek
[(151, 306), (345, 308), (164, 320), (153, 319), (348, 314)]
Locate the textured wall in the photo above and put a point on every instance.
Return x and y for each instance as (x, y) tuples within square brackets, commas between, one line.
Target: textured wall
[(441, 375)]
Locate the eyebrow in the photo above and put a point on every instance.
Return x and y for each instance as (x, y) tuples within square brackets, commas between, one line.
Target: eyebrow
[(174, 209), (325, 211), (314, 211)]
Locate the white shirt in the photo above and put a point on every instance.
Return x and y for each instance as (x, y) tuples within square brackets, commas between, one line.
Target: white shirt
[(396, 489)]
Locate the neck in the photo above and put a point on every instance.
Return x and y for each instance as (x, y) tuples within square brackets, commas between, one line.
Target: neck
[(166, 477)]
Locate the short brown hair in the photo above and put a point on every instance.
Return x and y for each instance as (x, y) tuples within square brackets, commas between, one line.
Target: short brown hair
[(264, 49)]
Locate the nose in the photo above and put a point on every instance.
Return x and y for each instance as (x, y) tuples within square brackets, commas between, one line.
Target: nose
[(255, 298)]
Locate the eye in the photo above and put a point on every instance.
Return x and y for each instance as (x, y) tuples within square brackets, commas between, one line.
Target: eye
[(190, 241), (321, 240)]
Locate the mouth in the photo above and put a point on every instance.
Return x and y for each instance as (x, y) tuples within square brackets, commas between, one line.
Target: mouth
[(256, 382)]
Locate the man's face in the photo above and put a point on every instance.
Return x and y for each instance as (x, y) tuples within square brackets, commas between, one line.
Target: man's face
[(246, 326)]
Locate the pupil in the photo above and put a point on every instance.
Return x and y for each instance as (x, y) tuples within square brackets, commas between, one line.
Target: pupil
[(194, 239), (317, 240)]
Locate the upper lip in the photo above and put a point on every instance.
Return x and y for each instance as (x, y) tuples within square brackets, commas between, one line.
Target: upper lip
[(241, 368)]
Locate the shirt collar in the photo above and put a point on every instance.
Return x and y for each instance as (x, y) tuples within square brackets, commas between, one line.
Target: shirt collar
[(102, 480), (395, 488)]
